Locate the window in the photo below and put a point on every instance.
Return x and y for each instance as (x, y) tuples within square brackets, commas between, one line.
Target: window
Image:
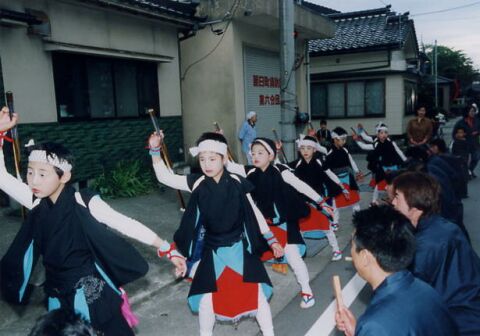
[(355, 99), (89, 87), (319, 100), (410, 98)]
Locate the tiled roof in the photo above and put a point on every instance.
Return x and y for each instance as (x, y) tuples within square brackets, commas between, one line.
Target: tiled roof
[(363, 30), (173, 8)]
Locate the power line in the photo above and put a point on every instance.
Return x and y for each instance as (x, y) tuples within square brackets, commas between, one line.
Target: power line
[(447, 9), (232, 10)]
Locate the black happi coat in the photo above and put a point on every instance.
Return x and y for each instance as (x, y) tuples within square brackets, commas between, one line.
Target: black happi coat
[(338, 161), (384, 154), (270, 190), (313, 174), (72, 242), (227, 217)]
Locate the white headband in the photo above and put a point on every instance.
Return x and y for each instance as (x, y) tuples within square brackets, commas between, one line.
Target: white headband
[(336, 136), (381, 127), (269, 149), (306, 142), (52, 159), (209, 146)]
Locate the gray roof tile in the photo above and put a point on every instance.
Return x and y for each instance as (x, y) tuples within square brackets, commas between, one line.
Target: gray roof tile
[(361, 30)]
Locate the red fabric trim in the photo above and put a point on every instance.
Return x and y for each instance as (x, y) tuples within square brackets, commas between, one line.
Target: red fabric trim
[(234, 297)]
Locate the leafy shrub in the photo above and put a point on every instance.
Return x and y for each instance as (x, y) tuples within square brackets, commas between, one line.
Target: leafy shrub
[(126, 179)]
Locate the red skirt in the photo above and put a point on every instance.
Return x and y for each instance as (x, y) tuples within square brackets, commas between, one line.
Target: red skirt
[(316, 221), (342, 202), (234, 298)]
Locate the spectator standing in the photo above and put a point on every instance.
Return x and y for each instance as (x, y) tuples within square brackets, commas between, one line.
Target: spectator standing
[(247, 133)]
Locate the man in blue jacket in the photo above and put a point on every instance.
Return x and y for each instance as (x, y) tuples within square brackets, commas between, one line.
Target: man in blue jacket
[(383, 245), (444, 258), (247, 133)]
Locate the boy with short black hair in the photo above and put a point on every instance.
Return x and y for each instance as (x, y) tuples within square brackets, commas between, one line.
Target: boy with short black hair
[(383, 245)]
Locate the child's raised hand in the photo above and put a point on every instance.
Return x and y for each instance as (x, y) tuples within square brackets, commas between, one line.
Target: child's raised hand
[(156, 140), (5, 122), (277, 249)]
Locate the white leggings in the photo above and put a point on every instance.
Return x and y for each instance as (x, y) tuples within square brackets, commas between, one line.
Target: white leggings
[(207, 316), (299, 267), (336, 213), (332, 240)]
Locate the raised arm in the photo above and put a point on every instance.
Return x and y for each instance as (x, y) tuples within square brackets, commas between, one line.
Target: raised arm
[(236, 168), (265, 230), (365, 136), (163, 174), (301, 186), (134, 229), (10, 185), (365, 146), (353, 164), (399, 151), (123, 224)]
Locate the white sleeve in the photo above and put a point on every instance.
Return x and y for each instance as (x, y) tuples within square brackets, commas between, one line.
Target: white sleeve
[(322, 150), (236, 168), (167, 177), (366, 137), (14, 187), (365, 146), (123, 224), (300, 186), (333, 177), (353, 164), (399, 152), (262, 223)]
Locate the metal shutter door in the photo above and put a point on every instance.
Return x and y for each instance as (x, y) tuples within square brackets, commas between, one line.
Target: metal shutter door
[(262, 88)]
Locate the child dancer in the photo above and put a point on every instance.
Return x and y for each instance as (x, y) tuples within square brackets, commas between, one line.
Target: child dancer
[(310, 170), (230, 281), (85, 263), (340, 162), (385, 155), (281, 205)]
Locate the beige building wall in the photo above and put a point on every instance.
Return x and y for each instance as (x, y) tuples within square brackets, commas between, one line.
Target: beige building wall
[(214, 89), (27, 66), (376, 61)]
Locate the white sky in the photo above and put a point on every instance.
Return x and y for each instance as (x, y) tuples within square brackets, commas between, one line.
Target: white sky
[(457, 28)]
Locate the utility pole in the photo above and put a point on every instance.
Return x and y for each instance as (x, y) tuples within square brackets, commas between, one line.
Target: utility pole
[(436, 75), (287, 74)]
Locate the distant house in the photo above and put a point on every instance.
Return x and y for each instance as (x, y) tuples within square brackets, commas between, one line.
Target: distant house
[(367, 72), (84, 73)]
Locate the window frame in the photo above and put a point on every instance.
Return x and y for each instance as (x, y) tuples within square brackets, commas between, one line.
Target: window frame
[(140, 66), (345, 94)]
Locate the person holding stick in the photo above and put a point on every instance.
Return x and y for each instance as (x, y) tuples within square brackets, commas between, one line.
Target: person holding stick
[(230, 281), (340, 162), (383, 246), (85, 263), (384, 155), (309, 168), (277, 195)]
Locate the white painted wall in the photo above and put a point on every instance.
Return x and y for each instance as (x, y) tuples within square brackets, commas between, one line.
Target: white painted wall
[(27, 67)]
